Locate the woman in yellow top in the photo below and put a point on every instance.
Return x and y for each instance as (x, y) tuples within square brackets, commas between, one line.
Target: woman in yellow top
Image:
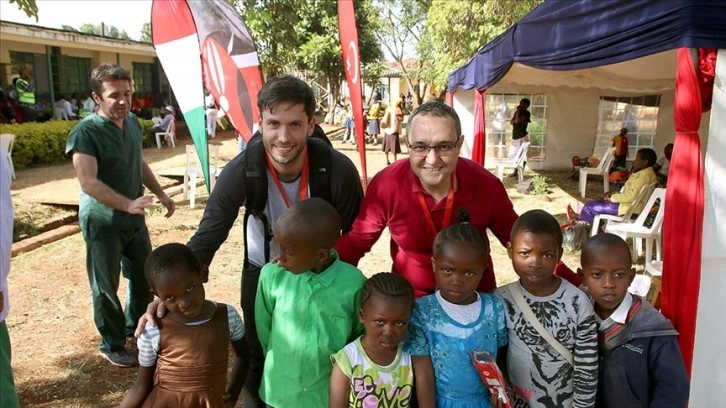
[(619, 203), (375, 113)]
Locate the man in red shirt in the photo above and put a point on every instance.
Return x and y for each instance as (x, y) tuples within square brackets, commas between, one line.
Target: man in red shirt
[(417, 198)]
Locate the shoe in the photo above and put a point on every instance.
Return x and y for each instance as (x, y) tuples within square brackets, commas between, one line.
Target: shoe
[(120, 358), (571, 214)]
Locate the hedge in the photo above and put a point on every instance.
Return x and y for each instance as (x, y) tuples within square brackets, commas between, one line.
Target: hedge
[(42, 144)]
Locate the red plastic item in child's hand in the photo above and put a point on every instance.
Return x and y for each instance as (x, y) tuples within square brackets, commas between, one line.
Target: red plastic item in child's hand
[(490, 375)]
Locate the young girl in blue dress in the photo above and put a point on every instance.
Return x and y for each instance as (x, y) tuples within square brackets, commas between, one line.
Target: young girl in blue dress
[(373, 370), (456, 320)]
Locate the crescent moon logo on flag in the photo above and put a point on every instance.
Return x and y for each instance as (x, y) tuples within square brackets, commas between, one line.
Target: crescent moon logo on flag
[(352, 68)]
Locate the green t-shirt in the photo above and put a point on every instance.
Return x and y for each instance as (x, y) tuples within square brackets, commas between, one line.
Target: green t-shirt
[(301, 320), (118, 153)]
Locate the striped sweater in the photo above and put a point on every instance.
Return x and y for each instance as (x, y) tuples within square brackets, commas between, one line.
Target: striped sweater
[(540, 376)]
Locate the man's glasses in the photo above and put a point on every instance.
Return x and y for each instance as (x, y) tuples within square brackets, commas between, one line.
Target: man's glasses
[(442, 149)]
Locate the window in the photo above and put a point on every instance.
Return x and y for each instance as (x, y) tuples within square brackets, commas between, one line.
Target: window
[(639, 114), (75, 74), (142, 78), (499, 110), (21, 59)]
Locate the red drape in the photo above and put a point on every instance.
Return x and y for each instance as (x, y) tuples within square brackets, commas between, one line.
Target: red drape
[(479, 149), (450, 99), (683, 222)]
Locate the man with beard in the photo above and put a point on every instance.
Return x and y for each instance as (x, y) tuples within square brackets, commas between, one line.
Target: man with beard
[(106, 150), (293, 173)]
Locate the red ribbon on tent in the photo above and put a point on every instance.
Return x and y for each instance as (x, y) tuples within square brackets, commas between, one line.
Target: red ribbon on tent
[(683, 220), (478, 151), (351, 60), (450, 99)]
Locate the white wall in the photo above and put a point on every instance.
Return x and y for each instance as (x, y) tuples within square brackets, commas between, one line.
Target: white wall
[(708, 377)]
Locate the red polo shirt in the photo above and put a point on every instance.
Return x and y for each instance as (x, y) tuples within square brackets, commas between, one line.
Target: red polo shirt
[(392, 201)]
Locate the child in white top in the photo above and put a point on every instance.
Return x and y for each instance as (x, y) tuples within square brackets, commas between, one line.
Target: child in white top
[(374, 370)]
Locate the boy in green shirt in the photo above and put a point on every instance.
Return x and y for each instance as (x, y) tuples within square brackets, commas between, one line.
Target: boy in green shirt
[(306, 307)]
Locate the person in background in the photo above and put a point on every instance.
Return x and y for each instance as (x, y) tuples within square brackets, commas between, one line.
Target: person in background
[(519, 122), (375, 113), (168, 112), (88, 106), (620, 143), (63, 105), (211, 113), (391, 133), (663, 164), (106, 151), (26, 95), (8, 394)]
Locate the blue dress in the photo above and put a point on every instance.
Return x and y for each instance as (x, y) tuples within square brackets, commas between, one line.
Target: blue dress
[(449, 343)]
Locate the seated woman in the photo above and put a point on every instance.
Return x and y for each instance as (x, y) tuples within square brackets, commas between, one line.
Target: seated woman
[(619, 203)]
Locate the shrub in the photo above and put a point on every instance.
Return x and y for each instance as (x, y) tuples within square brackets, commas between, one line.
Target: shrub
[(539, 185), (42, 144)]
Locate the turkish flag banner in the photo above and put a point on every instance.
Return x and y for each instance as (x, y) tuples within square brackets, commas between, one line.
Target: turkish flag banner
[(351, 60)]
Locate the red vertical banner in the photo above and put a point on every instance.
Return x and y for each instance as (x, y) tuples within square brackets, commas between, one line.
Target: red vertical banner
[(351, 60), (478, 150)]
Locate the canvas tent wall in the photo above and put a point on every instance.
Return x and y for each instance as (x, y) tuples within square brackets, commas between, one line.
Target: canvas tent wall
[(573, 99), (578, 35)]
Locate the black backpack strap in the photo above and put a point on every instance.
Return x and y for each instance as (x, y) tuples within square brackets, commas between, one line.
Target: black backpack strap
[(256, 186), (320, 159)]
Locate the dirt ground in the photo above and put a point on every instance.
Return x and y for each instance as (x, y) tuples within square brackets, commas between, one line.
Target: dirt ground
[(54, 341)]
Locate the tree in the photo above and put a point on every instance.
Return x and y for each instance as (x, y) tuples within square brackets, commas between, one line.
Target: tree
[(302, 35), (146, 33), (28, 6), (457, 29), (104, 30), (402, 33)]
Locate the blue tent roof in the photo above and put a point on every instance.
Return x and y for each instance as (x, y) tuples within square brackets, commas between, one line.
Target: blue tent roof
[(565, 35)]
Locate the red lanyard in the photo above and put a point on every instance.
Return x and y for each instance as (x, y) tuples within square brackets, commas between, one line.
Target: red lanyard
[(447, 212), (303, 178)]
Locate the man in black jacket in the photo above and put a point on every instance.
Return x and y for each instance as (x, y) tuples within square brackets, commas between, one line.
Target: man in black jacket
[(295, 171)]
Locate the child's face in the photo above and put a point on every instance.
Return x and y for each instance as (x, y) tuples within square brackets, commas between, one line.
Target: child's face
[(181, 291), (385, 321), (607, 273), (458, 267), (298, 253), (534, 258)]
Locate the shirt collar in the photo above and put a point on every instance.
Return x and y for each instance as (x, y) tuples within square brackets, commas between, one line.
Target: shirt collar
[(326, 277), (620, 314)]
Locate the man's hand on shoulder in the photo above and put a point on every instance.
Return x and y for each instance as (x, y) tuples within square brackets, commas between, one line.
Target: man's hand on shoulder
[(139, 205), (167, 202)]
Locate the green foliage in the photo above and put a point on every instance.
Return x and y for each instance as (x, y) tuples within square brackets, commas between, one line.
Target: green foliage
[(41, 144), (539, 185), (146, 33), (28, 6), (403, 34), (302, 35), (457, 29), (103, 30)]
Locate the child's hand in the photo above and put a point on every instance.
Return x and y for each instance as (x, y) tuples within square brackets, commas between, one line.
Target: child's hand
[(495, 401)]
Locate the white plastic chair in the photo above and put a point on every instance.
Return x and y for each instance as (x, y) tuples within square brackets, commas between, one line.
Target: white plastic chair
[(193, 171), (516, 162), (602, 169), (7, 141), (642, 196), (637, 229), (170, 132), (640, 286)]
